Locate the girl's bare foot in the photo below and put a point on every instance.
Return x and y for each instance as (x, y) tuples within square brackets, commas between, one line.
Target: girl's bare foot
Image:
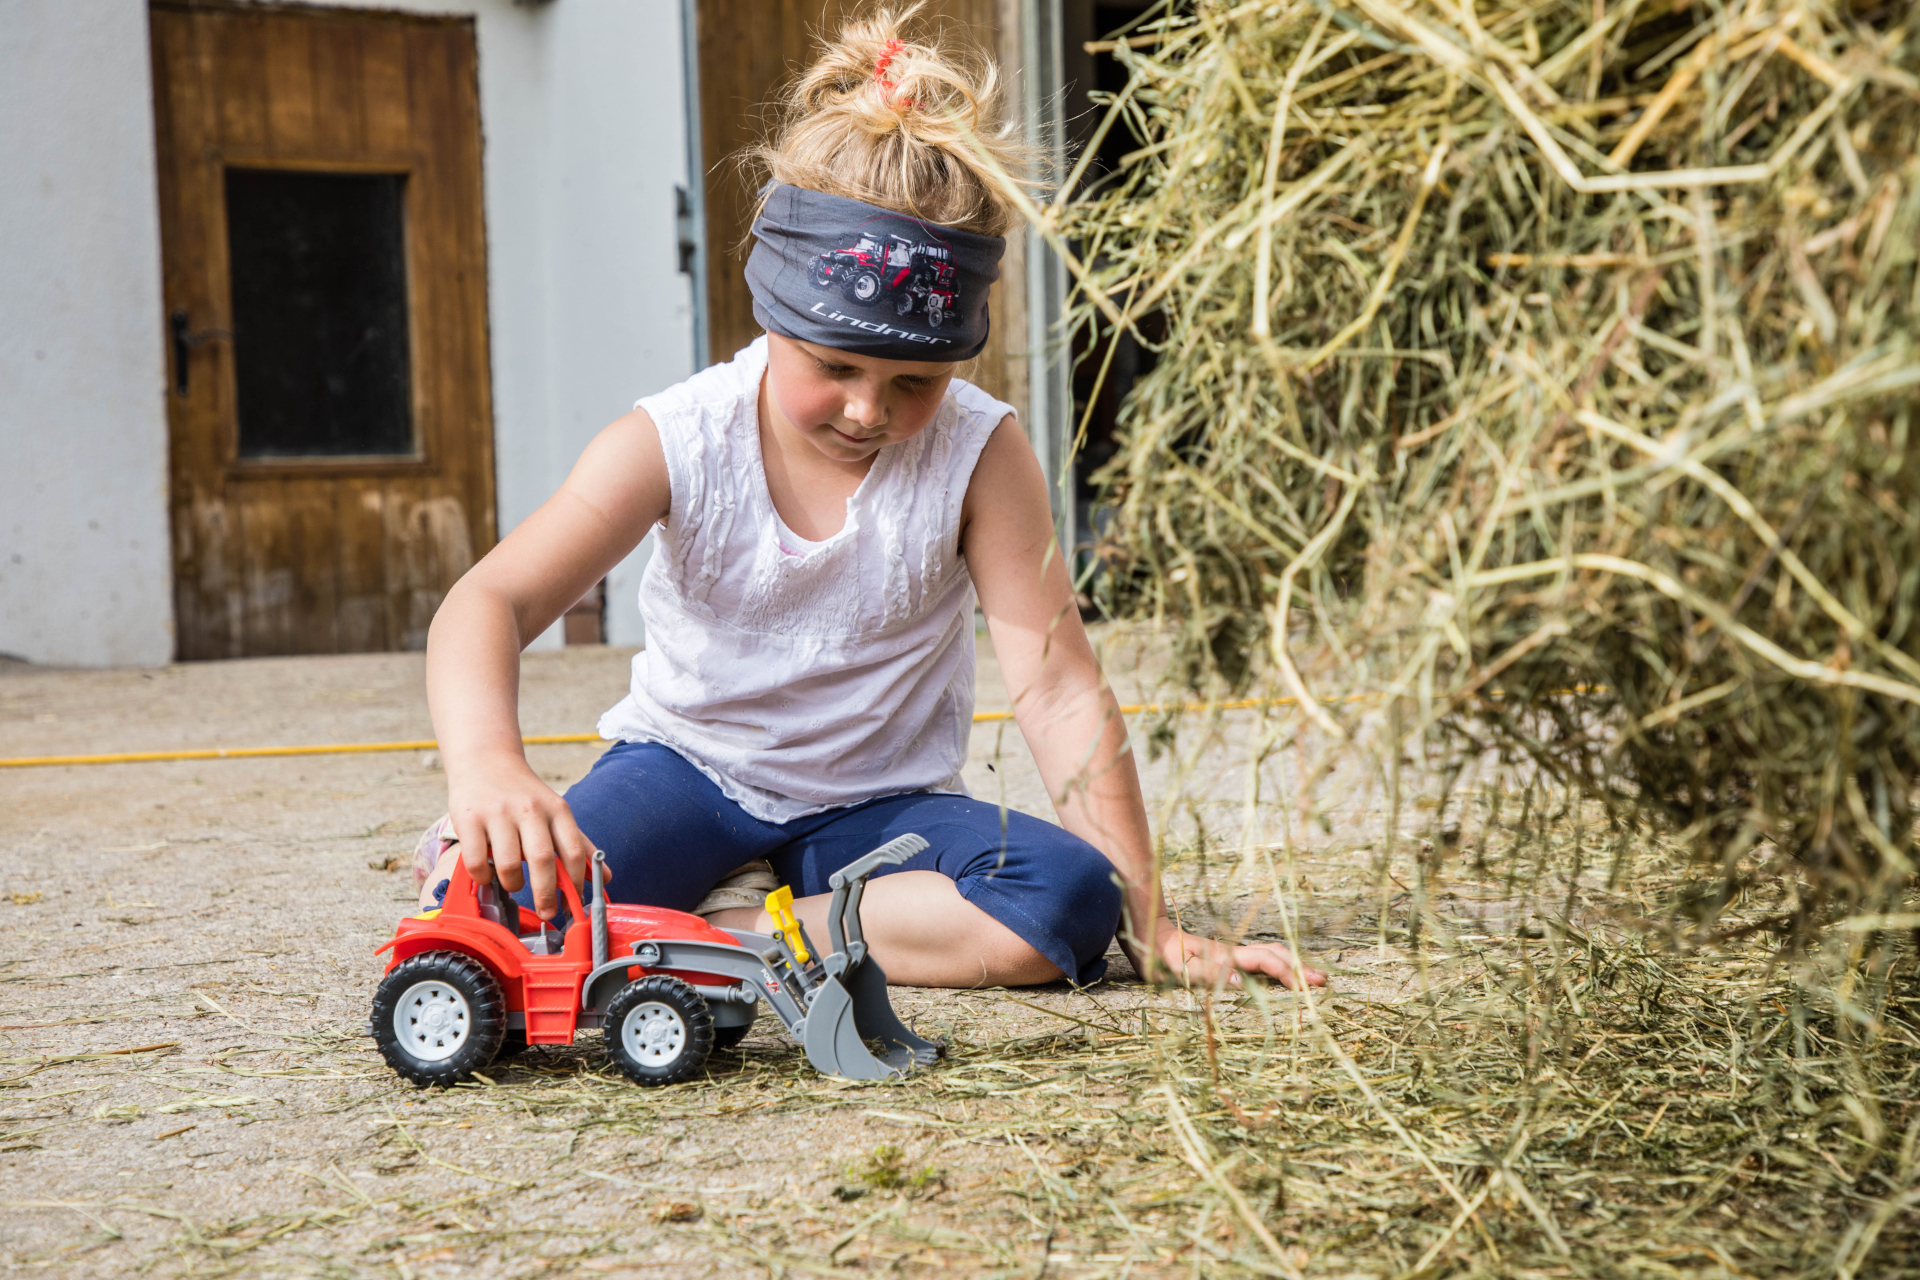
[(429, 874)]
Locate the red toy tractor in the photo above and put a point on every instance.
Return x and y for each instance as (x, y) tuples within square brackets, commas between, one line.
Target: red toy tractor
[(476, 979)]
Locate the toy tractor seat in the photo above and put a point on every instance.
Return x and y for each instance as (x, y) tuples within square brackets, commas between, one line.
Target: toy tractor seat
[(535, 934)]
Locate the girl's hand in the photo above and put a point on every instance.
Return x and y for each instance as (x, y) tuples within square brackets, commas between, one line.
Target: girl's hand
[(506, 817), (1203, 962), (502, 813)]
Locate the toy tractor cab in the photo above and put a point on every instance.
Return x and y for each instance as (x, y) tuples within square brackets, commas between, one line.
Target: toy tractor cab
[(479, 977)]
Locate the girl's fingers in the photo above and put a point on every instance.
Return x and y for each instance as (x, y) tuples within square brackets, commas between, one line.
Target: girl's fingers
[(1202, 960), (1274, 961), (575, 849), (536, 846), (504, 836), (1303, 975), (474, 848)]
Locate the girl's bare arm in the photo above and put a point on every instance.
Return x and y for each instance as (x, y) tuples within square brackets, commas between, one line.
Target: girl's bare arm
[(502, 812), (1067, 712)]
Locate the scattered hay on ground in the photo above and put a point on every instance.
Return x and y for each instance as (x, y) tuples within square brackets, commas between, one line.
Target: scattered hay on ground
[(1496, 1041)]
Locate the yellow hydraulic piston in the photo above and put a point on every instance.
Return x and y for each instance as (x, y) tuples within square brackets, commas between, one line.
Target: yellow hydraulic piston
[(780, 907)]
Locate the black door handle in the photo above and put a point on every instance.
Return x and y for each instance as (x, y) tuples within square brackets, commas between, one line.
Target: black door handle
[(184, 341)]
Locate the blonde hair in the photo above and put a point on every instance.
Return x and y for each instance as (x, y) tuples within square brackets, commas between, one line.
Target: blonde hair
[(899, 124)]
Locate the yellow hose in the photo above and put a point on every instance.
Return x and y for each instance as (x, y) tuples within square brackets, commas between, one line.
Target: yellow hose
[(535, 740)]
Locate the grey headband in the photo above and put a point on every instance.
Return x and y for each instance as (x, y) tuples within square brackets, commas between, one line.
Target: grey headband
[(864, 279)]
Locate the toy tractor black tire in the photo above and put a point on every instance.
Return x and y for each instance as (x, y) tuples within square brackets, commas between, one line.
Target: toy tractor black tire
[(438, 1017), (659, 1030), (903, 305), (728, 1037), (862, 286)]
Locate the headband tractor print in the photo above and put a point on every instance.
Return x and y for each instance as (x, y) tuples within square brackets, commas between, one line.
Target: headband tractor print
[(917, 276), (859, 278)]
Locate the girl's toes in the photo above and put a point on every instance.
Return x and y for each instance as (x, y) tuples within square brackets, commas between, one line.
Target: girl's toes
[(434, 842)]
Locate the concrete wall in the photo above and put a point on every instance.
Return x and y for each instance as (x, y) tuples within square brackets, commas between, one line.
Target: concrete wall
[(582, 113), (619, 313), (85, 565), (582, 106)]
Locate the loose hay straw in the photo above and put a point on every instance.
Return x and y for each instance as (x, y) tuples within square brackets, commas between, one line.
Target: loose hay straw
[(1541, 380), (1607, 1107), (1531, 399)]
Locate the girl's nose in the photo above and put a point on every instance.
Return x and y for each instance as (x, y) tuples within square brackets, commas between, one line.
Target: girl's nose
[(867, 407)]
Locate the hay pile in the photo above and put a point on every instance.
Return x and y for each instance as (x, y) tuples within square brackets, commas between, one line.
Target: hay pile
[(1540, 379)]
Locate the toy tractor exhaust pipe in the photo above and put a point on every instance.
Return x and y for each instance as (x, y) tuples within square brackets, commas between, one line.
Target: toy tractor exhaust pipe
[(851, 1007)]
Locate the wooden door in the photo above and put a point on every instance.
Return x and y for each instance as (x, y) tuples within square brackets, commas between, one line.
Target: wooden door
[(325, 282), (748, 52)]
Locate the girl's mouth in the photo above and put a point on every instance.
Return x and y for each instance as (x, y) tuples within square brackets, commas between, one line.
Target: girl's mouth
[(851, 439)]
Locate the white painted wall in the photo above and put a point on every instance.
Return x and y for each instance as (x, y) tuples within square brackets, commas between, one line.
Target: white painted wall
[(581, 108), (85, 564), (620, 314), (623, 321)]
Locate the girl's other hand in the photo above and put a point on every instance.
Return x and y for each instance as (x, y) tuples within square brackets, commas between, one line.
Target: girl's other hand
[(511, 824), (1204, 962)]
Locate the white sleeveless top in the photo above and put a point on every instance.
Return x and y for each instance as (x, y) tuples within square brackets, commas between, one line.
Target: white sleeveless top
[(800, 676)]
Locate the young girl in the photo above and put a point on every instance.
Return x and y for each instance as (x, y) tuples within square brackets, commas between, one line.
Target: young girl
[(829, 505)]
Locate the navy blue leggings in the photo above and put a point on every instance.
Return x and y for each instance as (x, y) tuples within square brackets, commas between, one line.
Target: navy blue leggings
[(670, 835)]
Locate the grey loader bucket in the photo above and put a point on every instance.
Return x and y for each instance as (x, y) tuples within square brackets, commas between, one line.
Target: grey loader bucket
[(850, 1006)]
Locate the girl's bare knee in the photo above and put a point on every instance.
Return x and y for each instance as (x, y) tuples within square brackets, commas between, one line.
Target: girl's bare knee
[(1024, 966), (1007, 959)]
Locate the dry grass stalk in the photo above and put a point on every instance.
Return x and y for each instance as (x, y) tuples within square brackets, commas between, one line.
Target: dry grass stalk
[(1550, 371)]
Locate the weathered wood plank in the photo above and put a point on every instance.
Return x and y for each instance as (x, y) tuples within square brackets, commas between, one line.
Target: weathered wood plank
[(325, 554)]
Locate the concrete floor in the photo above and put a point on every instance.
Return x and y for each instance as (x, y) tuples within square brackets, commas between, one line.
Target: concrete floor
[(187, 953)]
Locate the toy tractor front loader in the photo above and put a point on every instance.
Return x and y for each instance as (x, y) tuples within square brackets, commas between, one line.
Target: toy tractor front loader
[(831, 1004), (851, 1006), (464, 984)]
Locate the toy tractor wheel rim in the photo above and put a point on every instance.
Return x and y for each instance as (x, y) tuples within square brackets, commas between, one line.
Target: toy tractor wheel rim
[(654, 1034), (432, 1020), (936, 310)]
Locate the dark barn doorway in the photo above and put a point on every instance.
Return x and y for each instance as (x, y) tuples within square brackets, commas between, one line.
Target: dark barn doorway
[(1096, 398)]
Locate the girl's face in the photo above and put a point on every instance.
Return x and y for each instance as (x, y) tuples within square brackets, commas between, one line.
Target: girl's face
[(848, 406)]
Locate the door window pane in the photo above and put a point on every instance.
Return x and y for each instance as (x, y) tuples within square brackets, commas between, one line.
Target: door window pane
[(318, 266)]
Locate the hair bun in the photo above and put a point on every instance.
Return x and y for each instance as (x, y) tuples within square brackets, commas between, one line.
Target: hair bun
[(900, 123), (870, 70)]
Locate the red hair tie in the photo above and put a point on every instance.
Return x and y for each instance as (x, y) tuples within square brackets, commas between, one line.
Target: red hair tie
[(886, 60), (880, 71)]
